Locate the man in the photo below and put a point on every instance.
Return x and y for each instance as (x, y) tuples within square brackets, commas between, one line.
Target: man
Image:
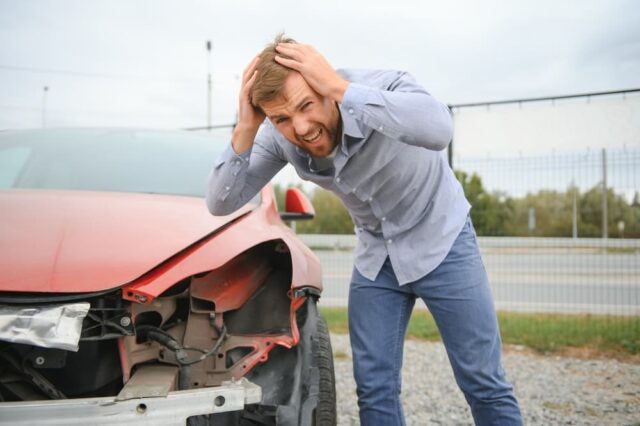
[(375, 138)]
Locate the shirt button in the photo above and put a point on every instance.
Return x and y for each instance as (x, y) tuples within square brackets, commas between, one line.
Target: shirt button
[(384, 219), (338, 179), (350, 110), (370, 199), (235, 173), (227, 188), (381, 128), (389, 241)]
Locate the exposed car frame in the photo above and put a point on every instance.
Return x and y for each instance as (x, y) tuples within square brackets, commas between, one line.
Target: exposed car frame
[(224, 331)]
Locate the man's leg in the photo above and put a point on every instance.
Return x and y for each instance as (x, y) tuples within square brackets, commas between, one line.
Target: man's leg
[(458, 295), (378, 316)]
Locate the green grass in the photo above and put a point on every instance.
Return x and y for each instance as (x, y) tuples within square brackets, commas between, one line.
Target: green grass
[(543, 333), (621, 250)]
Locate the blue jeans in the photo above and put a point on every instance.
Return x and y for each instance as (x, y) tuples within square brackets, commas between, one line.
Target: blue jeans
[(458, 295)]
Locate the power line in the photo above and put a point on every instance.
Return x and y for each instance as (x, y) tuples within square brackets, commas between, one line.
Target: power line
[(215, 126), (548, 98), (96, 113), (95, 74)]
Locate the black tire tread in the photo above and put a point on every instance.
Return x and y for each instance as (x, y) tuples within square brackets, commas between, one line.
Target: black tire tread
[(325, 414)]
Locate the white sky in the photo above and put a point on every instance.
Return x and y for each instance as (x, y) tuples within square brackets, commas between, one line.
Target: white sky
[(144, 63)]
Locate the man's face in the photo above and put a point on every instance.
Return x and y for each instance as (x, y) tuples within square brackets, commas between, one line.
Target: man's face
[(305, 118)]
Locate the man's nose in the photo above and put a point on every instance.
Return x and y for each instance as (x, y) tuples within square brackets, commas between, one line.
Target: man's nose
[(301, 125)]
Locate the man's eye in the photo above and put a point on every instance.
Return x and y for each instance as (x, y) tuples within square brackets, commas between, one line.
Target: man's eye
[(281, 120), (305, 106)]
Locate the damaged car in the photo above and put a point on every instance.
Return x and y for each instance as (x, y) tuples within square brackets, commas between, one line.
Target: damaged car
[(123, 301)]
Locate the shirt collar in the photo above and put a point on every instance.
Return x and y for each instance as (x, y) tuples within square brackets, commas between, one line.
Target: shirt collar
[(350, 125), (351, 129)]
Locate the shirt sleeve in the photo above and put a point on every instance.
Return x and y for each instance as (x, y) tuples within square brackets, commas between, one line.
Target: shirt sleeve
[(402, 110), (236, 178)]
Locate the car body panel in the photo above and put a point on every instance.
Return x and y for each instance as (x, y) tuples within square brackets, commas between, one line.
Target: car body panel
[(81, 241), (183, 306), (262, 224)]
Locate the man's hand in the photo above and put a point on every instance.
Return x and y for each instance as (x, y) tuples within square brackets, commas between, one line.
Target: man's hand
[(314, 68), (249, 118)]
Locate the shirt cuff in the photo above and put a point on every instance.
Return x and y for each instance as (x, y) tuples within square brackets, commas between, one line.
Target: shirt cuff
[(357, 96), (354, 98), (231, 157)]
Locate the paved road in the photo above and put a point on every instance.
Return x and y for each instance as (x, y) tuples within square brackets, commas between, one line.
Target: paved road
[(548, 282)]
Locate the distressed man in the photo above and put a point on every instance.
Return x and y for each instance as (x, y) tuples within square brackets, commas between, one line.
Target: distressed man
[(376, 139)]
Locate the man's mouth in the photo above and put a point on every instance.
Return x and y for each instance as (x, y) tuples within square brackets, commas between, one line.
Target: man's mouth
[(314, 137)]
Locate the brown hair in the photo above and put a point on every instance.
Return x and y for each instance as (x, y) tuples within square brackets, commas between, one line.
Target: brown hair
[(271, 75)]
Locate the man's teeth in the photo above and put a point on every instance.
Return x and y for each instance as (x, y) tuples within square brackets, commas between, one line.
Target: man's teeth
[(313, 137)]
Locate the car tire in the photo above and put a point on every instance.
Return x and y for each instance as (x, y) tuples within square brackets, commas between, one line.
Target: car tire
[(318, 396), (325, 412)]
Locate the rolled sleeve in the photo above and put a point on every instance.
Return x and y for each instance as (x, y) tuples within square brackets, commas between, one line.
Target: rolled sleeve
[(354, 99), (401, 109), (223, 177), (236, 178)]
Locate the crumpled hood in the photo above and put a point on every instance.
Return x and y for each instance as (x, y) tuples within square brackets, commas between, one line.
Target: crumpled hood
[(82, 241)]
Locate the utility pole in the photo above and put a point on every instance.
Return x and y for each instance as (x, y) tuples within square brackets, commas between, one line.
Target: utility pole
[(575, 210), (209, 85), (45, 89), (605, 220), (450, 146)]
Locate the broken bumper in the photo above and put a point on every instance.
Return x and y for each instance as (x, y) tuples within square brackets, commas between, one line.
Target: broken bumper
[(170, 410)]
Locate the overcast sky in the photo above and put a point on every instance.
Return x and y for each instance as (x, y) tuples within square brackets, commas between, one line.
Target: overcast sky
[(144, 63)]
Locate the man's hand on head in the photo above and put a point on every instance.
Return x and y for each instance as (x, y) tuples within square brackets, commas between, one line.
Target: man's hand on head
[(249, 118), (314, 68)]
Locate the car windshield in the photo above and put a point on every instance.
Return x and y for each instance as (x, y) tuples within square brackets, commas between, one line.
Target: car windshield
[(175, 163)]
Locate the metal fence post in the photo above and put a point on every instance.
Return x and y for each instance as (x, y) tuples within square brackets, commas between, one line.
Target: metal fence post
[(605, 230)]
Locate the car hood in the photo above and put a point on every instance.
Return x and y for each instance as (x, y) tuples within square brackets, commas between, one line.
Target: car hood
[(81, 241)]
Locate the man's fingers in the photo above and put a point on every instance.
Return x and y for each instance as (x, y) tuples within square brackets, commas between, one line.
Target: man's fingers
[(251, 80), (249, 70), (246, 87), (294, 51), (289, 63)]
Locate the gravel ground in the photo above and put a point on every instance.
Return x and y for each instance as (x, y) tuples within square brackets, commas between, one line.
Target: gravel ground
[(552, 390)]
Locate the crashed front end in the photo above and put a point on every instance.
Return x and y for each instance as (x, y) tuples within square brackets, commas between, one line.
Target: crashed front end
[(211, 348)]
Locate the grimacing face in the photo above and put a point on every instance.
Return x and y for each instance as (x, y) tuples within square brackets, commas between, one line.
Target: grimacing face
[(305, 118)]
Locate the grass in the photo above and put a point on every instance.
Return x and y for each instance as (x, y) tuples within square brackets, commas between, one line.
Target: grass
[(621, 250), (545, 333)]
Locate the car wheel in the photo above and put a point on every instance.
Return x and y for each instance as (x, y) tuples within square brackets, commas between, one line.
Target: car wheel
[(325, 412), (319, 388)]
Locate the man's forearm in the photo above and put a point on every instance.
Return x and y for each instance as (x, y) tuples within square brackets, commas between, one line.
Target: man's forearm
[(404, 111), (242, 139)]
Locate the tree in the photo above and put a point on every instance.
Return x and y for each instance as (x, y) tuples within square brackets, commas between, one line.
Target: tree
[(491, 213), (618, 210), (331, 215)]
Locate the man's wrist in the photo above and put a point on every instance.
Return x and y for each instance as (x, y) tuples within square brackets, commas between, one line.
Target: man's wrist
[(339, 90), (242, 138)]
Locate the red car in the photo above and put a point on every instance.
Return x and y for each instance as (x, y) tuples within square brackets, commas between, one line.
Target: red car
[(123, 301)]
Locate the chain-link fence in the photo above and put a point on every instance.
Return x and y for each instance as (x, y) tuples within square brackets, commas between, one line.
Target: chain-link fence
[(559, 235), (560, 232)]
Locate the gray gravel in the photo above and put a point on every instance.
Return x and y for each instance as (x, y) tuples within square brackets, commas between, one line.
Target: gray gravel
[(551, 390)]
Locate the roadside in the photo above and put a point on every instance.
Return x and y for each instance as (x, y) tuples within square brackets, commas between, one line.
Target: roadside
[(552, 390), (580, 336)]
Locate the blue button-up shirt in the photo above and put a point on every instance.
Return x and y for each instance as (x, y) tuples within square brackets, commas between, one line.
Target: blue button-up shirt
[(390, 171)]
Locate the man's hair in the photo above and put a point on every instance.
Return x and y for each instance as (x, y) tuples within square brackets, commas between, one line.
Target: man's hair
[(271, 75)]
